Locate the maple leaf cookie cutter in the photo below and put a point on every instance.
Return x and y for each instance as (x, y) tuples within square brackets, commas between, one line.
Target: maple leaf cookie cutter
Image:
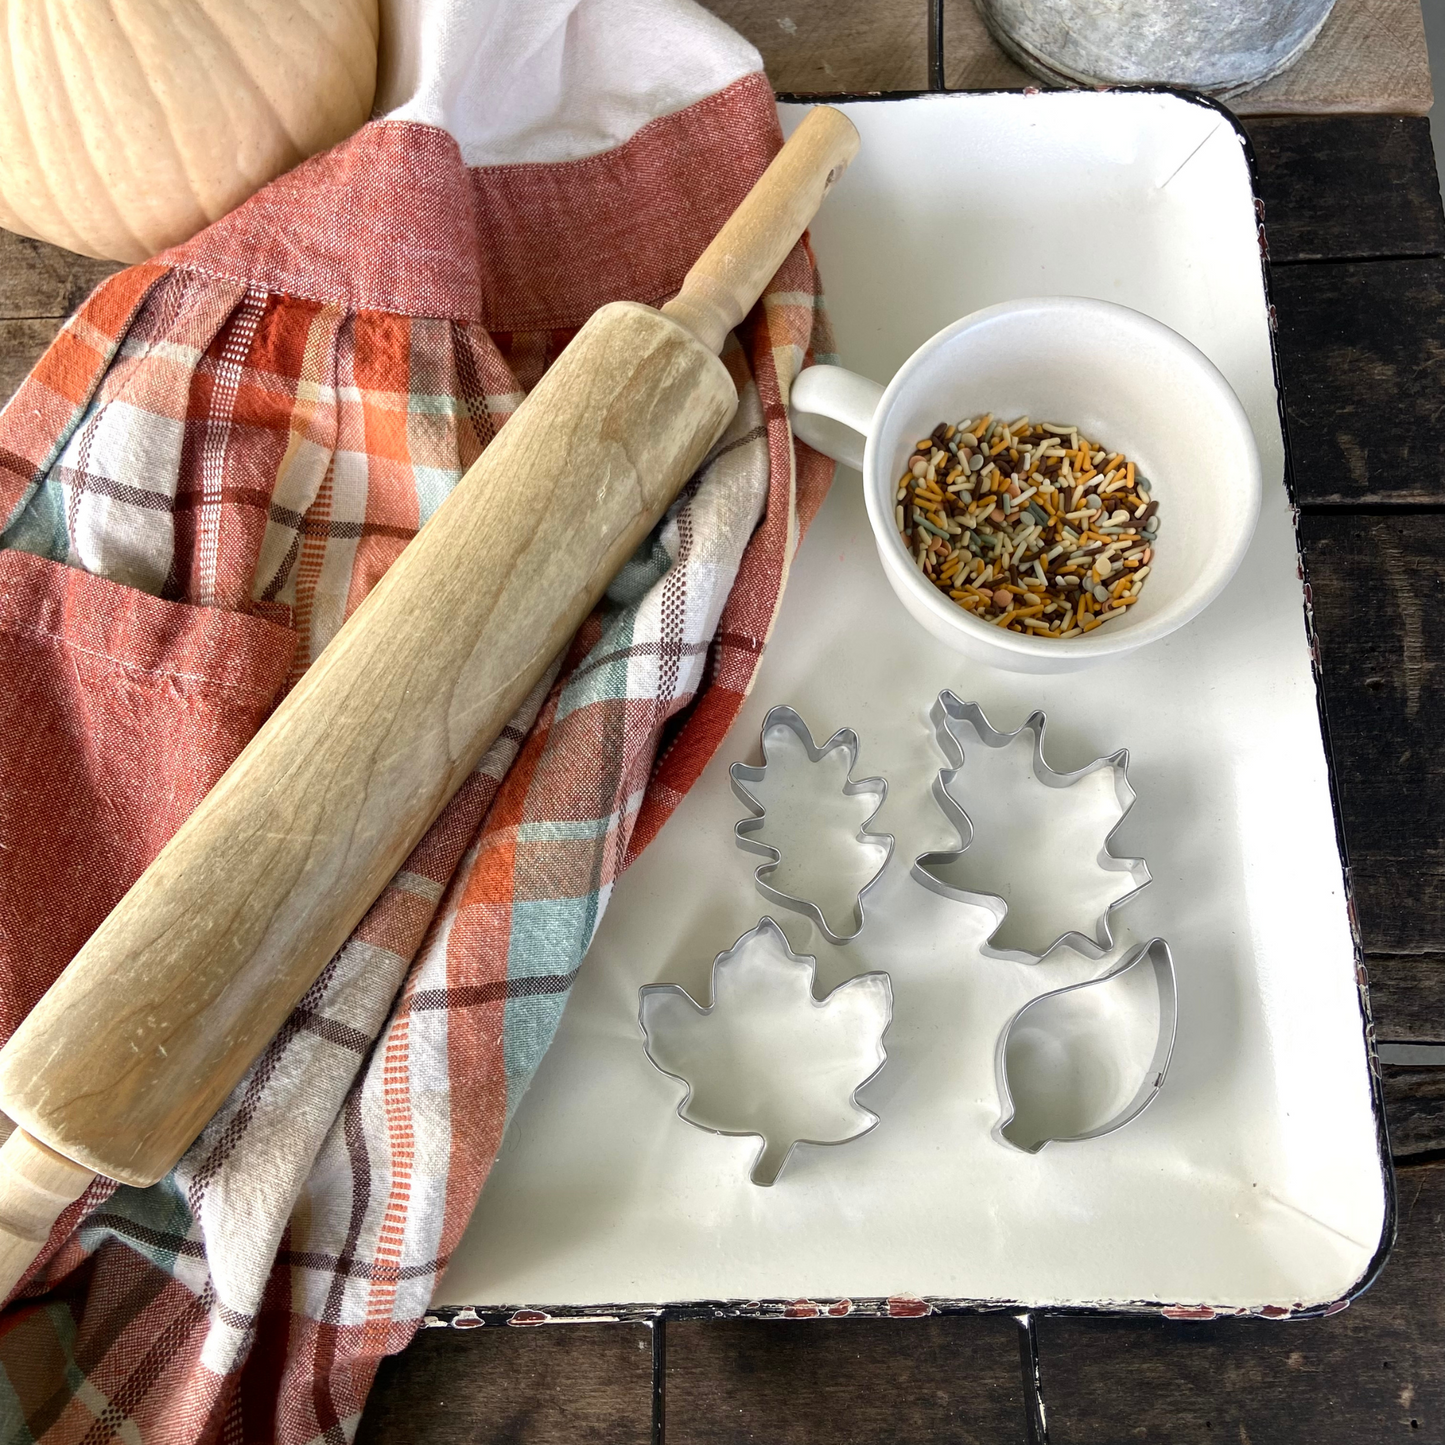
[(869, 996), (743, 774), (946, 714)]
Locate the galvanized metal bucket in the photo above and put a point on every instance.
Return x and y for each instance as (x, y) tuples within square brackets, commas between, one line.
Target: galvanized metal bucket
[(1222, 47)]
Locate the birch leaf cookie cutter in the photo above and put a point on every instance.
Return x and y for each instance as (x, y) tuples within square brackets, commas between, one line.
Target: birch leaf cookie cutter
[(1083, 1061), (949, 714), (745, 777), (765, 1057)]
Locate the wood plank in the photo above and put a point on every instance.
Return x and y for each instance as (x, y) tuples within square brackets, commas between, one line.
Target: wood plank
[(821, 47), (21, 346), (798, 1382), (1370, 56), (971, 58), (1407, 996), (1373, 1373), (1362, 357), (554, 1385), (1414, 1110), (39, 280), (1376, 582), (1348, 188)]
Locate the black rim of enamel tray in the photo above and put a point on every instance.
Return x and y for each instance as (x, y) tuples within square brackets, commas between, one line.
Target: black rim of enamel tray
[(908, 1306)]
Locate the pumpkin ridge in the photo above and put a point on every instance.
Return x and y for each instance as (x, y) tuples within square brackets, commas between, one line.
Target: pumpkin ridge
[(60, 201), (142, 247)]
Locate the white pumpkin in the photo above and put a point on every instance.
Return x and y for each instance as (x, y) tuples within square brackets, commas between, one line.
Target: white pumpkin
[(128, 125)]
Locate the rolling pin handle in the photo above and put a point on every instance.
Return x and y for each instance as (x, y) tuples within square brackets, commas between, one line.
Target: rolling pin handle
[(37, 1185), (727, 279)]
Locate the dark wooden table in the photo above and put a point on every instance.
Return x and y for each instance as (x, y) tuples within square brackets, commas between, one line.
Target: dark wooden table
[(1357, 253)]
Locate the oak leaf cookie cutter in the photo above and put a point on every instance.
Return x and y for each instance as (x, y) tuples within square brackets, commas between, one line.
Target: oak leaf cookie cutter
[(743, 774), (948, 712), (1156, 952), (862, 1005)]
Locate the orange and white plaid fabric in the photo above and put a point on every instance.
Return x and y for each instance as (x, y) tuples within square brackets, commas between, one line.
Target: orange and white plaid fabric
[(217, 459)]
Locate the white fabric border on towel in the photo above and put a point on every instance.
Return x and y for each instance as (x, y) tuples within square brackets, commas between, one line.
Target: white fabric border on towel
[(516, 81)]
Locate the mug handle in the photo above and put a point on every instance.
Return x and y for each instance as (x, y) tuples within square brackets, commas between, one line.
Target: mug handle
[(832, 410)]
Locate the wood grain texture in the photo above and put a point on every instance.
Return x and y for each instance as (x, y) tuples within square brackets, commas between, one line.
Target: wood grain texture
[(557, 1385), (1383, 164), (22, 344), (38, 280), (157, 1017), (972, 59), (1362, 357), (1407, 997), (1376, 582), (1369, 57), (1372, 1374), (1414, 1110), (954, 1379), (824, 47)]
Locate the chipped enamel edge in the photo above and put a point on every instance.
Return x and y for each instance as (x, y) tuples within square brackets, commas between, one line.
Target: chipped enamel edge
[(766, 927), (745, 773), (949, 709)]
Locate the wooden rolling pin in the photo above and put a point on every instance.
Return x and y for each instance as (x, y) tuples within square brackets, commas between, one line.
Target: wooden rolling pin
[(123, 1061)]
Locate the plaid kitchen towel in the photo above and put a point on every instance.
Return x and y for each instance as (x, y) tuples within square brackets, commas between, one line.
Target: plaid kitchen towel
[(220, 455)]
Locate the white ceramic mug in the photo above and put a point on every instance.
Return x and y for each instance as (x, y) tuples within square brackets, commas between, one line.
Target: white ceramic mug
[(1128, 382)]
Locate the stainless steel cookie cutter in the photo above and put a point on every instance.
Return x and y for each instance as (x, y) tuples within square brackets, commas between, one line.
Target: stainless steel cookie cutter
[(744, 773), (1157, 952), (948, 712), (854, 1019)]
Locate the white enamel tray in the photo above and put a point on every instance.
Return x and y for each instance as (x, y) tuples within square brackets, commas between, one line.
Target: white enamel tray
[(1255, 1182)]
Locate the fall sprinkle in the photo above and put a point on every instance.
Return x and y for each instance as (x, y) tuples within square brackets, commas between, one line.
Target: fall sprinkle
[(1030, 526)]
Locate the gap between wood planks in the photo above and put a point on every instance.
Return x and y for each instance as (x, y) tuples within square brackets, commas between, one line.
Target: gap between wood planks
[(1415, 1055)]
